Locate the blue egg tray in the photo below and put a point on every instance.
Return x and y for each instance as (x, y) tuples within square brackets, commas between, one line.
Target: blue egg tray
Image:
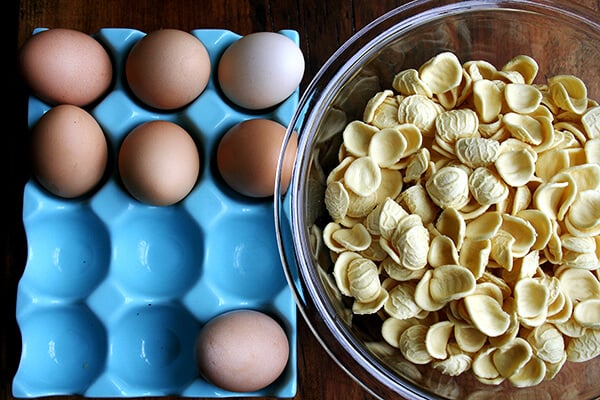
[(115, 291)]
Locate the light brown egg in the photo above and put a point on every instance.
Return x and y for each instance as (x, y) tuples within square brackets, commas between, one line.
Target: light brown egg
[(167, 68), (242, 350), (65, 66), (69, 151), (159, 163), (248, 153)]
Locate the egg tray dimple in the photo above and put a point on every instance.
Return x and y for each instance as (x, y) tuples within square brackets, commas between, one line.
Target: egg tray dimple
[(115, 291)]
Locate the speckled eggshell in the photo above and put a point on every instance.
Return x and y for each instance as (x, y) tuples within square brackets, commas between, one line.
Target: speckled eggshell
[(69, 151), (242, 350), (65, 66), (248, 154), (168, 68)]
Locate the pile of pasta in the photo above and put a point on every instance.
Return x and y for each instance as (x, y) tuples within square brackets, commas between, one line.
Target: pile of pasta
[(465, 212)]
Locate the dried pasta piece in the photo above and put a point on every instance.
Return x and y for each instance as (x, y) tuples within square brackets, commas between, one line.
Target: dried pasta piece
[(442, 251), (412, 345), (480, 69), (551, 162), (418, 164), (475, 255), (452, 224), (392, 183), (401, 301), (374, 103), (488, 99), (337, 201), (392, 328), (568, 92), (416, 201), (584, 347), (340, 271), (522, 98), (531, 298), (357, 137), (579, 284), (592, 150), (386, 114), (456, 124), (363, 176), (484, 369), (330, 243), (437, 338), (449, 187), (384, 218), (591, 122), (442, 72), (502, 249), (516, 167), (555, 198), (530, 374), (477, 151), (387, 146), (409, 245), (423, 296), (487, 315), (510, 357), (451, 282), (484, 227), (420, 111), (400, 273), (363, 279), (359, 206), (408, 82), (356, 238), (454, 365), (547, 343), (587, 313), (370, 307), (583, 217), (469, 338), (487, 187), (525, 65), (522, 231), (541, 224)]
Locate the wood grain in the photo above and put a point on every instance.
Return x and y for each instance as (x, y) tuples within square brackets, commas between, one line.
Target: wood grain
[(323, 26)]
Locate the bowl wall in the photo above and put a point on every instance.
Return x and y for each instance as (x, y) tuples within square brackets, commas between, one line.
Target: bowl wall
[(563, 39)]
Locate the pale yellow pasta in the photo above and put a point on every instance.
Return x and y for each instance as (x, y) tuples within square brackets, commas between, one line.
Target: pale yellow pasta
[(465, 214)]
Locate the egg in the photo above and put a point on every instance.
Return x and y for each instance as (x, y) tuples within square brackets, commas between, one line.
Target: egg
[(248, 154), (159, 162), (65, 66), (167, 69), (260, 70), (242, 350), (69, 151)]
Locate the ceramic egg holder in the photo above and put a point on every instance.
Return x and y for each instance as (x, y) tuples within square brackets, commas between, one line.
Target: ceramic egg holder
[(114, 291)]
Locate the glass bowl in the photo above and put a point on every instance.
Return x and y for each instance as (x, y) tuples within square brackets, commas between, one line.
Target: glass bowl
[(561, 37)]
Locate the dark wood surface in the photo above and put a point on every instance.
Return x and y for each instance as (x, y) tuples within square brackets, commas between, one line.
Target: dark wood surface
[(323, 26)]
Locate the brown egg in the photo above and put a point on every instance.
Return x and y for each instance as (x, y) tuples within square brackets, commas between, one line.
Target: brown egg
[(242, 350), (159, 163), (168, 68), (69, 151), (65, 66), (248, 154)]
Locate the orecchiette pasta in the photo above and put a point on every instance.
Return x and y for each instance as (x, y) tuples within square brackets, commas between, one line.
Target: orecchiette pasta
[(465, 212)]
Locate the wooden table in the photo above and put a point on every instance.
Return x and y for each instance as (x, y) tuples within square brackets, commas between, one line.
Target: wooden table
[(323, 26)]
